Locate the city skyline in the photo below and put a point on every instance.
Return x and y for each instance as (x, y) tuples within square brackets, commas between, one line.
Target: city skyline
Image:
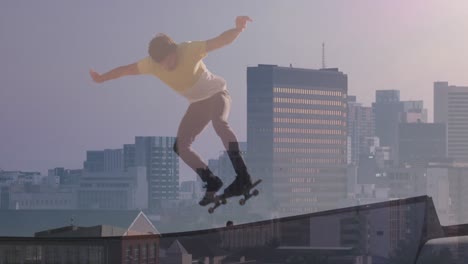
[(188, 175), (286, 106), (408, 55), (353, 116)]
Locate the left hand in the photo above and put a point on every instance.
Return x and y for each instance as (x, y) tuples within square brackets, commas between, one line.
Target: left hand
[(241, 22), (96, 76)]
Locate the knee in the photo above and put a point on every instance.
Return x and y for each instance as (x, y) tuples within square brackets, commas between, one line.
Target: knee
[(181, 146), (175, 148)]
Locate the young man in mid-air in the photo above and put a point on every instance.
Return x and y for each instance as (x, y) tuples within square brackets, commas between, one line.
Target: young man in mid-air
[(181, 67)]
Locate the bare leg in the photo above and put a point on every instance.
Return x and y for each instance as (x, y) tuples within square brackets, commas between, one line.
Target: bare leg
[(221, 104), (192, 124)]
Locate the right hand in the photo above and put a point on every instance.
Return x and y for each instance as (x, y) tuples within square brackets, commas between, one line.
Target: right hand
[(241, 22), (96, 76)]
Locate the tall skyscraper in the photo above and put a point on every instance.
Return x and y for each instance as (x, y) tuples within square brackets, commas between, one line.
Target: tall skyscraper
[(162, 166), (388, 109), (451, 108), (104, 160), (297, 136), (361, 125)]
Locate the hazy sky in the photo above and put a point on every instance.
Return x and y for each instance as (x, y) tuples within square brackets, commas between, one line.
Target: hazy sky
[(51, 112)]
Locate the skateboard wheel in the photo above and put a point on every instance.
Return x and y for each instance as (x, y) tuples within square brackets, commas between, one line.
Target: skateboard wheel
[(223, 201), (210, 210), (242, 201), (255, 192)]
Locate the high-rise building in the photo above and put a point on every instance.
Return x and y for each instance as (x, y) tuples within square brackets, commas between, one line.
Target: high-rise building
[(162, 166), (388, 109), (451, 108), (389, 113), (129, 156), (104, 160), (361, 124), (421, 142), (297, 136)]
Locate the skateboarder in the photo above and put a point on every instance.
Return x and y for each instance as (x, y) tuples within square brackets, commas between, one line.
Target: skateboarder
[(181, 67)]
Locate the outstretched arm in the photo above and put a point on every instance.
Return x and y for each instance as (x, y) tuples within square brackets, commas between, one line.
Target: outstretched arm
[(228, 36), (131, 69)]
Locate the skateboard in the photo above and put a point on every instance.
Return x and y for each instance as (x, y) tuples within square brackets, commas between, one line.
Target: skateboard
[(218, 200)]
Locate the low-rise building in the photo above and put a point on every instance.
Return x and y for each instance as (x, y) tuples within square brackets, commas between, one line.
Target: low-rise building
[(114, 190), (100, 237)]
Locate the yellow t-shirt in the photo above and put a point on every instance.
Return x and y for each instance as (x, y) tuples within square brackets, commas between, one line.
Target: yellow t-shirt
[(189, 66)]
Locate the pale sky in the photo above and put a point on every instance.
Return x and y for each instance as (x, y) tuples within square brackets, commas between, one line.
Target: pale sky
[(51, 112)]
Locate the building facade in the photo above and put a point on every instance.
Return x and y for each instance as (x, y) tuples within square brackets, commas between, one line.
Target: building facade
[(361, 125), (162, 168), (297, 136), (128, 238), (129, 156), (421, 142), (414, 112), (388, 109), (114, 190), (451, 108), (42, 198), (61, 177), (104, 160)]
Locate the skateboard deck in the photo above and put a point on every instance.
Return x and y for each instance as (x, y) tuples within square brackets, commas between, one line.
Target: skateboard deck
[(222, 198)]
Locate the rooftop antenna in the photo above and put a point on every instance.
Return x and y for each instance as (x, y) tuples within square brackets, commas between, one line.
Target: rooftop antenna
[(323, 56)]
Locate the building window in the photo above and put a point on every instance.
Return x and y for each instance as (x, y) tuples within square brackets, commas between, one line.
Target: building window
[(128, 255), (144, 253), (151, 256), (136, 256)]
